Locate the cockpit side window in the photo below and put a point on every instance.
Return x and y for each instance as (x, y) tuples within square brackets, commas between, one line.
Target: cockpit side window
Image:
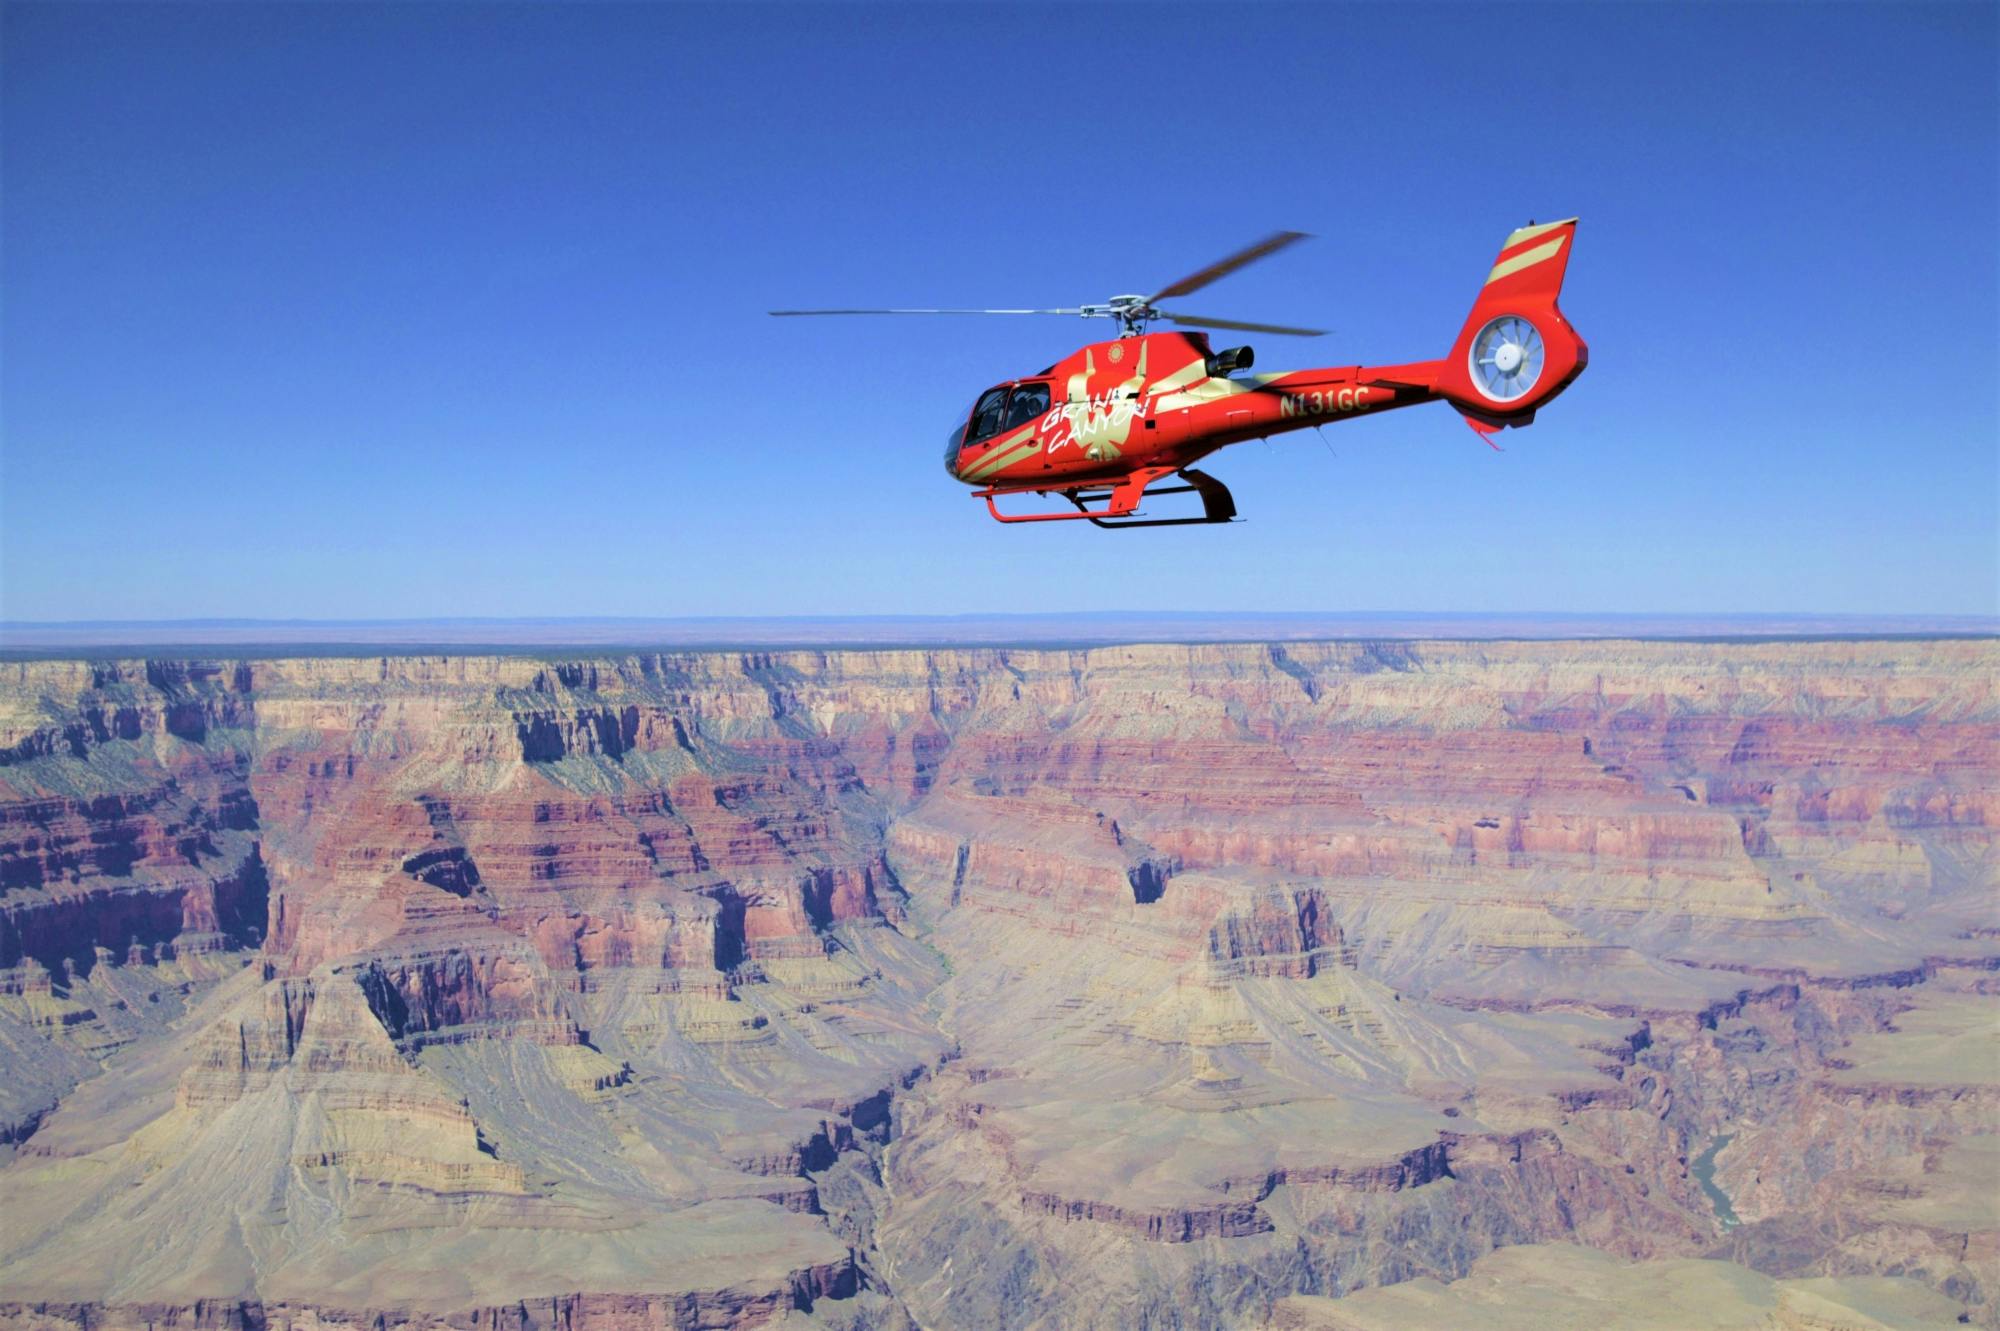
[(1027, 403), (987, 416)]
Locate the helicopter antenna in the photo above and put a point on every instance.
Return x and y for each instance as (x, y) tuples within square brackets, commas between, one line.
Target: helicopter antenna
[(1134, 312)]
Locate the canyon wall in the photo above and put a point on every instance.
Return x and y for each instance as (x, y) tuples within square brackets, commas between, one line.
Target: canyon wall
[(1117, 987)]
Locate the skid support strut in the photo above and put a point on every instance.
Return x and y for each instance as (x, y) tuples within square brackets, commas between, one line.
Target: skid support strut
[(1120, 503)]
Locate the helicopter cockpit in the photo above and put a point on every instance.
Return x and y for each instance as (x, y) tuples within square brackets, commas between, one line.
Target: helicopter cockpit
[(998, 411)]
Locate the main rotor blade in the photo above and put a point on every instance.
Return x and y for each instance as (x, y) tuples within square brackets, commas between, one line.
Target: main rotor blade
[(1195, 321), (1271, 244), (784, 313)]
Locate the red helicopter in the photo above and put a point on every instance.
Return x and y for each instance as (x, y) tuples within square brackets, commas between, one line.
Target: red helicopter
[(1123, 420)]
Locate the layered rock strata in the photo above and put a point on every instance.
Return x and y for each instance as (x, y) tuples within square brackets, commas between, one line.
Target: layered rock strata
[(1131, 986), (1560, 1288)]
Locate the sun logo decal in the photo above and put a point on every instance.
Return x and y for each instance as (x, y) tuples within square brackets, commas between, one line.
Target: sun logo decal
[(1117, 352)]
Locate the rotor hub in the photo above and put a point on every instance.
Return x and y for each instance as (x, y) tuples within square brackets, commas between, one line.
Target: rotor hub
[(1131, 312), (1508, 357)]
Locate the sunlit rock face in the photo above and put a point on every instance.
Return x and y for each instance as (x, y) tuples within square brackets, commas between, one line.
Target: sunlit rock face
[(1122, 987)]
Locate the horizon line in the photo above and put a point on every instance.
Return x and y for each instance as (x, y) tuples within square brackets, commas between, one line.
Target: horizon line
[(245, 638), (352, 621)]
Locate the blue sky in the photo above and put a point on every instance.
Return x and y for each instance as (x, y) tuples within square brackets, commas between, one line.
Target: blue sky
[(340, 310)]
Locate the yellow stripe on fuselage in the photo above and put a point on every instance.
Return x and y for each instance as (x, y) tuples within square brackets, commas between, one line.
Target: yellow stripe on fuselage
[(1005, 454)]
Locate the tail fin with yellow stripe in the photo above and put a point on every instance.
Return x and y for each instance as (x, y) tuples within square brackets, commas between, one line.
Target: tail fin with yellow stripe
[(1516, 350)]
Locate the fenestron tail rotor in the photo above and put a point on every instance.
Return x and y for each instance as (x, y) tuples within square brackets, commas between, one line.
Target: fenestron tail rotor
[(1133, 313), (1507, 358)]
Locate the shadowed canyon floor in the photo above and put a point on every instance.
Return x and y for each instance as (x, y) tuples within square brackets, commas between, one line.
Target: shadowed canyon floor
[(1345, 985)]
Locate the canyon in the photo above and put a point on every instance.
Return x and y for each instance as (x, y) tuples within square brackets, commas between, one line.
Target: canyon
[(1343, 984)]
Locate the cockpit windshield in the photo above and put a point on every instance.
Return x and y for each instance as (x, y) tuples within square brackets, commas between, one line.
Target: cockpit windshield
[(957, 436), (998, 410), (988, 415)]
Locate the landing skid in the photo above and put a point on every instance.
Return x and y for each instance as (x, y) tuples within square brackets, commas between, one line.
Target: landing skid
[(1120, 503)]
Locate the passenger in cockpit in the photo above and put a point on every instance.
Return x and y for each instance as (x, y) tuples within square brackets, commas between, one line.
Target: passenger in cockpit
[(1028, 403)]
